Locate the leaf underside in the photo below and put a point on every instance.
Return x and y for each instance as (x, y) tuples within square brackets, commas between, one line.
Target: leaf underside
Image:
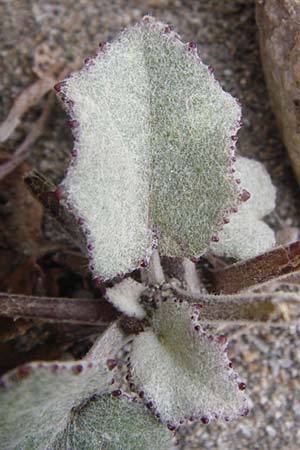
[(153, 149), (55, 408), (183, 370)]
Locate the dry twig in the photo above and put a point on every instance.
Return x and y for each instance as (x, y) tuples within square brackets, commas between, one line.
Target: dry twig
[(35, 133), (58, 310), (28, 98)]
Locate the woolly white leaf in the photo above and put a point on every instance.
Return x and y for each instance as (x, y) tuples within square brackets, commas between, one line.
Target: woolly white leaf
[(182, 370), (116, 424), (246, 236), (36, 402), (55, 408), (125, 297), (154, 142)]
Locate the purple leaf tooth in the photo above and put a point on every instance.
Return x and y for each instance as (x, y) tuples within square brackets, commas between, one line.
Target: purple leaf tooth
[(58, 86), (73, 123), (111, 364), (77, 369), (192, 45), (116, 393), (102, 45), (204, 420), (58, 193), (245, 195)]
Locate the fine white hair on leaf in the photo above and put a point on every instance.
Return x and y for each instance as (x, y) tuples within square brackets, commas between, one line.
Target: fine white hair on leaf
[(38, 398), (247, 235), (66, 405), (118, 423), (125, 297), (183, 371), (154, 139)]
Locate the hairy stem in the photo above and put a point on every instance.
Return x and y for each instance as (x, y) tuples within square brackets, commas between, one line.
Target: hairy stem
[(242, 308), (153, 274), (191, 277), (59, 310)]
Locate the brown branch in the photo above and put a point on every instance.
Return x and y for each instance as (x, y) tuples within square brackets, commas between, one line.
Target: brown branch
[(276, 264), (44, 191), (24, 148), (58, 310)]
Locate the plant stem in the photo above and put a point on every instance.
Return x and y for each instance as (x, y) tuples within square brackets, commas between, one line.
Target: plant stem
[(60, 310), (153, 274), (276, 264)]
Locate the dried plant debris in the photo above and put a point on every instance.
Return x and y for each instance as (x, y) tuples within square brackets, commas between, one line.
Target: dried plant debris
[(28, 98), (35, 133), (247, 235), (182, 371), (156, 135), (269, 267), (20, 224)]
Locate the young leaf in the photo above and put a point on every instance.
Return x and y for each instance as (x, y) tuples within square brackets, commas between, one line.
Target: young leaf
[(154, 135), (183, 371), (125, 297), (247, 236)]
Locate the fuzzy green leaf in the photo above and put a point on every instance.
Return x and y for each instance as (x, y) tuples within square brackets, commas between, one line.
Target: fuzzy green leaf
[(55, 408), (115, 424), (154, 139), (182, 370), (36, 402), (247, 236)]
